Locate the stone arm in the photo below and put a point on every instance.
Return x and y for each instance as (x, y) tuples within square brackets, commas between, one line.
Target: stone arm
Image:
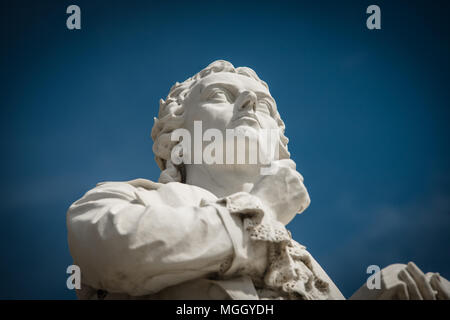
[(137, 241)]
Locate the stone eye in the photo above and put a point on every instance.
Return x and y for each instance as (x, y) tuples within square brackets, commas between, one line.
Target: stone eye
[(264, 106), (219, 95)]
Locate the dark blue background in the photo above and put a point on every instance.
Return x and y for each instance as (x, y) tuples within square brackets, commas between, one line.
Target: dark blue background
[(366, 112)]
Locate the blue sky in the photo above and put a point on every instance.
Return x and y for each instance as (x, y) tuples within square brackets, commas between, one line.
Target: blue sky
[(366, 112)]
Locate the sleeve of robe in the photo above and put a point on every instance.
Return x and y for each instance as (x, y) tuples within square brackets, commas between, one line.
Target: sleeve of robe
[(138, 241)]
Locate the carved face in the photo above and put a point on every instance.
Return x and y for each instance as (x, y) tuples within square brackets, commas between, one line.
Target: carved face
[(231, 101)]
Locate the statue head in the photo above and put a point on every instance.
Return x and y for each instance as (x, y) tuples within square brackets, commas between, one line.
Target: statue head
[(221, 97)]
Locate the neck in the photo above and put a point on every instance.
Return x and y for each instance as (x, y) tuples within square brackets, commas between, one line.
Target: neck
[(222, 180)]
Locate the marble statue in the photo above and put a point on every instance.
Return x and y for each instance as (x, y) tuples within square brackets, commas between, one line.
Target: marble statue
[(213, 230)]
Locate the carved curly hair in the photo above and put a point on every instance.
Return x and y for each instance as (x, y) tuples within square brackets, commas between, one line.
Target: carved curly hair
[(171, 117)]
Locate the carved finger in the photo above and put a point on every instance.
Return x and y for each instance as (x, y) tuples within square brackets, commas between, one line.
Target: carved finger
[(421, 281), (437, 283), (414, 293)]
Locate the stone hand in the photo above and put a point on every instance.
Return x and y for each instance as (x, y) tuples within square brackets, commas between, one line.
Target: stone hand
[(424, 287), (440, 285), (406, 282), (283, 191)]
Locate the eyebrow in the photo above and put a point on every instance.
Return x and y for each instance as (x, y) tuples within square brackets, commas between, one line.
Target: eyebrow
[(260, 94), (227, 86), (233, 89)]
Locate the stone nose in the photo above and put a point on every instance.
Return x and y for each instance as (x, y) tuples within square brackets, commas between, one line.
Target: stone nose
[(247, 101)]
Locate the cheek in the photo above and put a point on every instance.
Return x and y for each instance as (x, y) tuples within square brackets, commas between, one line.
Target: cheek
[(215, 116), (210, 116)]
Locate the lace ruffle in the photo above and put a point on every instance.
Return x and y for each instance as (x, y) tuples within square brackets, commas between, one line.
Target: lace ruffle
[(290, 272)]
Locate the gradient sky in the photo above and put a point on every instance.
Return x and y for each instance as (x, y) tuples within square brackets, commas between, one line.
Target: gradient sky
[(366, 112)]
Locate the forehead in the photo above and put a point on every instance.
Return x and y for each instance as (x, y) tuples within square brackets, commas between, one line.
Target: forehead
[(228, 79)]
